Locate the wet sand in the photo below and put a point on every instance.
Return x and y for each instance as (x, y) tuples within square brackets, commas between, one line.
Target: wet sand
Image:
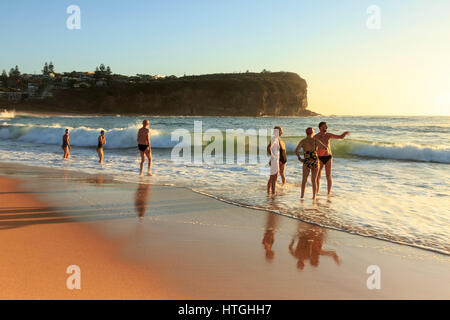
[(141, 241)]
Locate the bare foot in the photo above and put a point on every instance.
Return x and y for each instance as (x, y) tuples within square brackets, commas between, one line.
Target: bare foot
[(149, 173)]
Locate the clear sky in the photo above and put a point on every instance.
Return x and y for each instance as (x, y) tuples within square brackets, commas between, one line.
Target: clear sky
[(403, 68)]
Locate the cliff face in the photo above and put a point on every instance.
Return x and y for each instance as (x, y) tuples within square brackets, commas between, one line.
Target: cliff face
[(247, 94)]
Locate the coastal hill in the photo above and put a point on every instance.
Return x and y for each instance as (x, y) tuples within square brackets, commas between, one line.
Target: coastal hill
[(235, 94)]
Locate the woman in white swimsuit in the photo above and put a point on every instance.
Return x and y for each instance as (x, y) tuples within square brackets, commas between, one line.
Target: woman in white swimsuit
[(274, 160)]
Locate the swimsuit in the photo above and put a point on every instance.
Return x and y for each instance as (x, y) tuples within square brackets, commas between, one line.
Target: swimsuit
[(283, 156), (142, 147), (100, 145), (311, 159), (325, 159), (65, 144)]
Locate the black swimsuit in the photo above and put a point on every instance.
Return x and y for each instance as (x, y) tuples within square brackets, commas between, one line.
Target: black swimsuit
[(142, 147), (100, 144), (325, 159), (283, 156), (65, 144)]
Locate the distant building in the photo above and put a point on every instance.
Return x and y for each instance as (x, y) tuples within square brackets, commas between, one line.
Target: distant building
[(82, 85), (12, 96), (32, 90)]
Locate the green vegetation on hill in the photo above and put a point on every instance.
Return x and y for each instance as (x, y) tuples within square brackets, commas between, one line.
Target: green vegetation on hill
[(236, 94)]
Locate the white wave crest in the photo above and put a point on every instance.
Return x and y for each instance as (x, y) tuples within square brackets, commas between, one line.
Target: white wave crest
[(5, 114), (82, 136), (403, 152)]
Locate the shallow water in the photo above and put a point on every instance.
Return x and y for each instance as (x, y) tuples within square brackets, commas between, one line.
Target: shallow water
[(390, 175)]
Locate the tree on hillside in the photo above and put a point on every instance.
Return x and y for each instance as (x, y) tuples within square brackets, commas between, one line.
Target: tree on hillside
[(45, 70), (102, 68), (51, 67), (4, 79), (108, 70), (14, 73)]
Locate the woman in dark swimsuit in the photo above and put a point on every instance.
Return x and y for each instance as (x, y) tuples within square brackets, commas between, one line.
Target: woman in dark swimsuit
[(311, 160), (101, 143), (66, 144), (283, 159)]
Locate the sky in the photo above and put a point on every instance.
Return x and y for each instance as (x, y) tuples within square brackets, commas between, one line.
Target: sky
[(400, 68)]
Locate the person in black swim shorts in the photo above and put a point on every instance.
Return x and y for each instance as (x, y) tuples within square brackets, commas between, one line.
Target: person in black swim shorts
[(325, 156), (143, 140)]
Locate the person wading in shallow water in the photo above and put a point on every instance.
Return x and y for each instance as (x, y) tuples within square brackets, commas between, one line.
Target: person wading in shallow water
[(283, 156), (143, 140), (274, 151), (310, 161), (101, 143), (66, 144), (325, 156)]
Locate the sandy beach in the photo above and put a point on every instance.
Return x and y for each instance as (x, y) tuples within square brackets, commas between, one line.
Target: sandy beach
[(142, 241)]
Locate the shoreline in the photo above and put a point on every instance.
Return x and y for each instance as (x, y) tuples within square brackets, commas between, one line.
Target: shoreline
[(198, 248), (249, 207)]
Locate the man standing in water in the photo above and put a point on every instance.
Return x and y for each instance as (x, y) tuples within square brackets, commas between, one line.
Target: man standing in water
[(143, 140), (66, 144), (325, 157), (101, 143)]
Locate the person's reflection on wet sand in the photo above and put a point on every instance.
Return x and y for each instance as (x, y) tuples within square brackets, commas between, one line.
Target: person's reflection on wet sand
[(141, 198), (269, 235), (310, 246), (99, 179)]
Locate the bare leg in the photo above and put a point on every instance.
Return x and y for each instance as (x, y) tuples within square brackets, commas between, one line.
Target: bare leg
[(149, 156), (274, 183), (328, 168), (283, 177), (314, 172), (66, 153), (318, 176), (304, 179), (142, 162), (100, 155), (269, 184)]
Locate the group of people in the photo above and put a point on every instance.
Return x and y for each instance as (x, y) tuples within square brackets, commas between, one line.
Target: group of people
[(143, 140), (316, 151), (316, 156)]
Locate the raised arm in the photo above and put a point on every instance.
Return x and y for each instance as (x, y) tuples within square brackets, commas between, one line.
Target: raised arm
[(335, 136)]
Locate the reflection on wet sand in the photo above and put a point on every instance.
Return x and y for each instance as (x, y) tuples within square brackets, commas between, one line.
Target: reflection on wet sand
[(269, 235), (141, 199), (310, 241)]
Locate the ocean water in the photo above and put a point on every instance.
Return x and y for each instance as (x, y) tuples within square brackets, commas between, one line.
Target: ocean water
[(390, 176)]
